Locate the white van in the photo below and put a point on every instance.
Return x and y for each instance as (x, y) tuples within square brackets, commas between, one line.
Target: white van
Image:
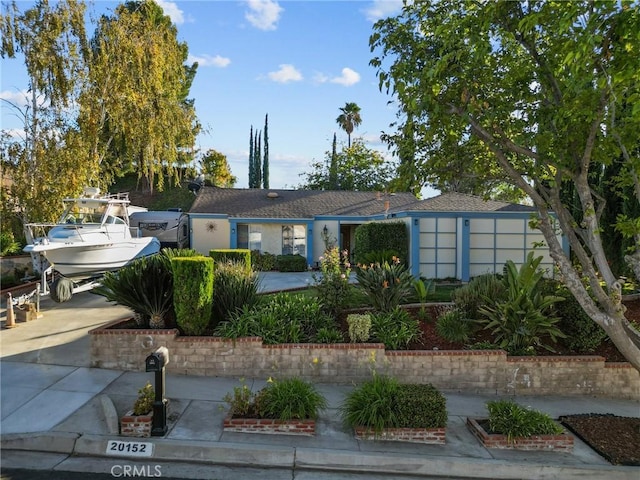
[(171, 227)]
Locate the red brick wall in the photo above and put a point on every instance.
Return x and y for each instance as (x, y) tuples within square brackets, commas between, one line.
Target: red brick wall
[(479, 371)]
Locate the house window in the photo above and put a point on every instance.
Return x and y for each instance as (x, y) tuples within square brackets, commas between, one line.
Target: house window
[(250, 236), (294, 240)]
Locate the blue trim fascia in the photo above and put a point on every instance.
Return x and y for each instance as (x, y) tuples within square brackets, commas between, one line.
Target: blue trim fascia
[(297, 220), (465, 260), (414, 255)]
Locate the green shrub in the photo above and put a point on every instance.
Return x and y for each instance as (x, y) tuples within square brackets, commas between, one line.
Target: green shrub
[(287, 399), (382, 403), (237, 255), (420, 406), (583, 335), (508, 418), (233, 289), (379, 237), (454, 326), (284, 319), (471, 296), (291, 263), (395, 329), (8, 244), (524, 320), (192, 293), (263, 262), (359, 327), (386, 285), (328, 335), (372, 404), (332, 283), (144, 402)]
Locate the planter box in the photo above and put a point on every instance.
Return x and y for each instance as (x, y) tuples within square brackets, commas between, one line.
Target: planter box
[(432, 436), (268, 425), (136, 425), (556, 443)]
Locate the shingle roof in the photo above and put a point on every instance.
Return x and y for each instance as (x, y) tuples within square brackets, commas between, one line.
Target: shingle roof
[(460, 202), (259, 203)]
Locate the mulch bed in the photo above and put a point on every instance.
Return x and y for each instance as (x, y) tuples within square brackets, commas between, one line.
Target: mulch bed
[(617, 439)]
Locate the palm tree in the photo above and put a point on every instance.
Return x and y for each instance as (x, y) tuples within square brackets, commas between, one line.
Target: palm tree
[(349, 118)]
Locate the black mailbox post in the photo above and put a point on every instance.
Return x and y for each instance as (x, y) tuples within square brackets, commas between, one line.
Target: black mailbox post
[(156, 363)]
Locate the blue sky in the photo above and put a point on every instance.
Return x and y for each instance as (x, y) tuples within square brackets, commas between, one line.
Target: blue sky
[(297, 61)]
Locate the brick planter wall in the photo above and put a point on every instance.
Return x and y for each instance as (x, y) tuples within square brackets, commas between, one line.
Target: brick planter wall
[(432, 436), (267, 425), (473, 371), (556, 443), (136, 425)]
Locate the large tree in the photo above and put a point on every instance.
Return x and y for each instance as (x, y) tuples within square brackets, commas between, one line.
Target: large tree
[(135, 110), (215, 167), (356, 168), (349, 118), (551, 90), (47, 162)]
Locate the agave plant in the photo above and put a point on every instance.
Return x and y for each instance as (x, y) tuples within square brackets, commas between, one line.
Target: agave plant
[(145, 286)]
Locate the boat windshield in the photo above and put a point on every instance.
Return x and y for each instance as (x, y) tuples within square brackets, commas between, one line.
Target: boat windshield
[(83, 213)]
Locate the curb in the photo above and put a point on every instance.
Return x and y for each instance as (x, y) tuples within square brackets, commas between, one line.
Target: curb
[(309, 459)]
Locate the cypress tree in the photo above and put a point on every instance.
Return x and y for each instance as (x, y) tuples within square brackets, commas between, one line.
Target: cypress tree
[(252, 174), (258, 159), (265, 160), (333, 168)]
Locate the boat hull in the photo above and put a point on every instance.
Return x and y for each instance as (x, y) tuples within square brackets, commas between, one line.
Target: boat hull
[(86, 260)]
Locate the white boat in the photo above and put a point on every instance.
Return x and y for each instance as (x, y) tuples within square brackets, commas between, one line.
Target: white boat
[(91, 237)]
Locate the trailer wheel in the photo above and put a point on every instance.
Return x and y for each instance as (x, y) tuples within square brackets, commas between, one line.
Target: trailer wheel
[(61, 290)]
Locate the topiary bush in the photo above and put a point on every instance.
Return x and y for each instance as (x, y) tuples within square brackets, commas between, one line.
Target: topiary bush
[(359, 327), (383, 402), (291, 263), (262, 261), (192, 293), (378, 237)]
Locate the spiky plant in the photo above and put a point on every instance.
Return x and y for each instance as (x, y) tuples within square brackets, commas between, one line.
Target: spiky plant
[(145, 286)]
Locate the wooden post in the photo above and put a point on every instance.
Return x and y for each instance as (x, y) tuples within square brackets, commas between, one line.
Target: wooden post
[(11, 318)]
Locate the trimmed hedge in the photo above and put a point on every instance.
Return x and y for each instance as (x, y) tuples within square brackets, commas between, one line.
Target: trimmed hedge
[(381, 236), (232, 255), (192, 293), (291, 263)]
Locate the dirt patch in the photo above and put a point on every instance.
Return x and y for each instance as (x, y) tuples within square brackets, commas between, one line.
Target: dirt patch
[(615, 438)]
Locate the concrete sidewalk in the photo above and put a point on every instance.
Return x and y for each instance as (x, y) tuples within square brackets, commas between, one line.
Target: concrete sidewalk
[(53, 403)]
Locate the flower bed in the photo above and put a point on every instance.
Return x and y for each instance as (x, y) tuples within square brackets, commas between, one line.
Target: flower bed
[(270, 426), (562, 442), (136, 425)]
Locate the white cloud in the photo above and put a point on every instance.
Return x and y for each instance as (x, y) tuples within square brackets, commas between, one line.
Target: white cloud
[(286, 73), (382, 9), (209, 61), (16, 98), (170, 8), (263, 14), (349, 77), (320, 78)]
